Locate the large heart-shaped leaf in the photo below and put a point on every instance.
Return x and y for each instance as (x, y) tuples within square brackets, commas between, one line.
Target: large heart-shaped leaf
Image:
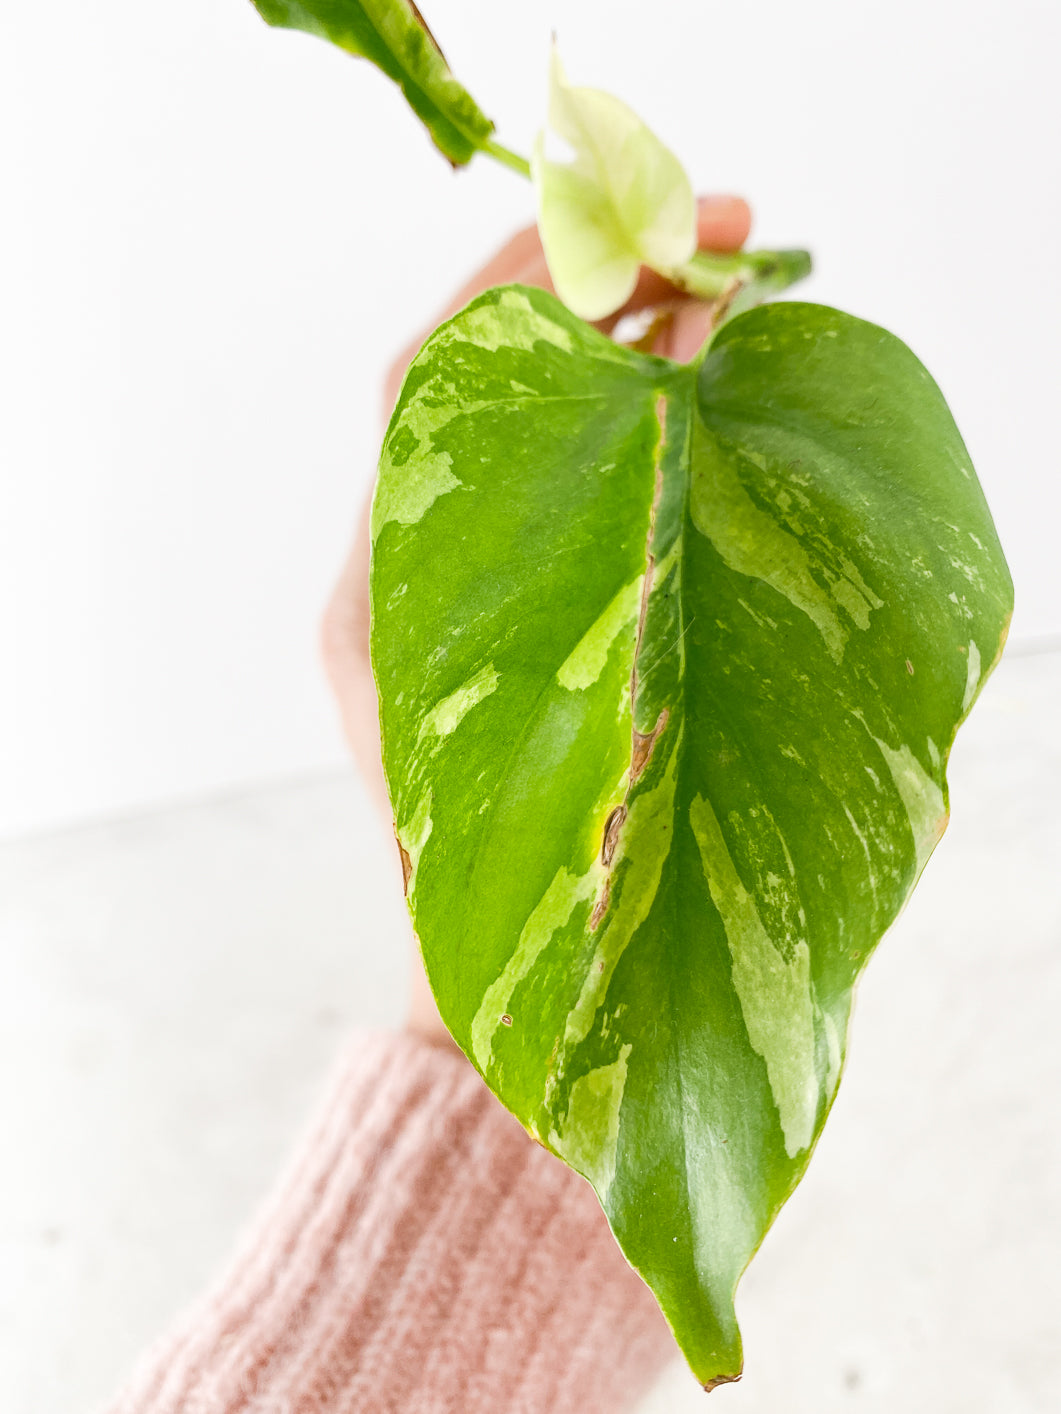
[(392, 34), (670, 661)]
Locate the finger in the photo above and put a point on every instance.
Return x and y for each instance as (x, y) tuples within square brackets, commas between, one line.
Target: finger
[(515, 263), (687, 332), (722, 222), (345, 650)]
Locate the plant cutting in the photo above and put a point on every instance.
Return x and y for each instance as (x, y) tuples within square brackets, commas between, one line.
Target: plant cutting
[(670, 660)]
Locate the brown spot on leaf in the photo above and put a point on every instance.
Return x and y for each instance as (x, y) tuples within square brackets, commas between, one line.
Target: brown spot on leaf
[(407, 866), (506, 1020), (612, 826), (643, 744), (909, 667)]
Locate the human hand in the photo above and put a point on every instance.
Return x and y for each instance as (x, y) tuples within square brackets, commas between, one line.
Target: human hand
[(723, 225)]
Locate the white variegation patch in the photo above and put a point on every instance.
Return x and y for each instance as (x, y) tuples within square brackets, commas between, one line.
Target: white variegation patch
[(406, 492), (448, 714), (510, 322), (585, 663), (755, 543), (552, 911), (775, 994), (408, 500), (922, 798), (972, 677), (588, 1136)]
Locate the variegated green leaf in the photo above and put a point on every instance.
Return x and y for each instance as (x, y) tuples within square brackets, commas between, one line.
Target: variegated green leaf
[(670, 662), (392, 34)]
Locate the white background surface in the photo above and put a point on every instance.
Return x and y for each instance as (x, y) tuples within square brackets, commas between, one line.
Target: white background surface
[(212, 239), (173, 986), (214, 236)]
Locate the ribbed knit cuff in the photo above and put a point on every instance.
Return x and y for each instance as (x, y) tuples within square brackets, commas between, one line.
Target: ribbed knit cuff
[(422, 1255)]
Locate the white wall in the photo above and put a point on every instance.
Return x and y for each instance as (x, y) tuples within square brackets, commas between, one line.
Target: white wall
[(214, 235)]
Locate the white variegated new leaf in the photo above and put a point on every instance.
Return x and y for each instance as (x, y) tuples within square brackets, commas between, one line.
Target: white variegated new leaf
[(623, 201)]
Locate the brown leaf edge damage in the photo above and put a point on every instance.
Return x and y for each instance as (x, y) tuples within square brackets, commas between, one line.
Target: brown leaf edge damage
[(418, 17), (407, 866)]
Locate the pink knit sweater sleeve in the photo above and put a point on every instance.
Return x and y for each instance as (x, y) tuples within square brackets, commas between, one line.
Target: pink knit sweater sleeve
[(421, 1255)]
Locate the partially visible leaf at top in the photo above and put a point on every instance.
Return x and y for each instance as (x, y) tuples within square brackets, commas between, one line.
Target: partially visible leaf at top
[(670, 660), (623, 201), (392, 34)]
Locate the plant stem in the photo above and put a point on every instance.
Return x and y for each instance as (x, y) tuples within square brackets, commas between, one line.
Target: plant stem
[(736, 282), (709, 275), (506, 157)]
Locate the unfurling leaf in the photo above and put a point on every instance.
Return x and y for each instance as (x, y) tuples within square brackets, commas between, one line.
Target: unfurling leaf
[(670, 661), (623, 201), (392, 34)]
